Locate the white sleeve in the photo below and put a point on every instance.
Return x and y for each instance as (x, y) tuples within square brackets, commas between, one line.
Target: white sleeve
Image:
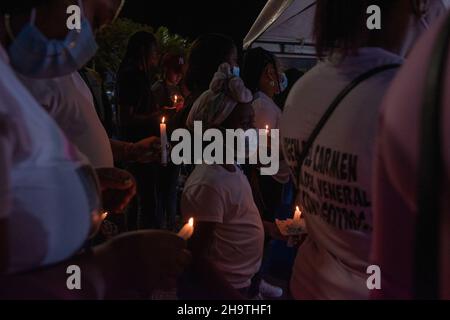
[(265, 115), (66, 113)]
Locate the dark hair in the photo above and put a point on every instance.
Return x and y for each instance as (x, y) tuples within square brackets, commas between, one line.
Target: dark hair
[(20, 6), (173, 62), (255, 61), (139, 48), (207, 53), (341, 24)]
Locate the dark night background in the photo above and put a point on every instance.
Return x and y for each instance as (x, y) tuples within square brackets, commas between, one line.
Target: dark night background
[(191, 18)]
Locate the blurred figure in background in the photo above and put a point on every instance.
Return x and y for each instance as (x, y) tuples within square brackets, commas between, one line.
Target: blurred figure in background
[(262, 75), (169, 97), (139, 117), (399, 168), (139, 113), (167, 91)]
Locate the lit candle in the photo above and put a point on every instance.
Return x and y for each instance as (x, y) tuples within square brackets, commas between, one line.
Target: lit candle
[(175, 100), (164, 142), (266, 141), (105, 215), (297, 214), (188, 230)]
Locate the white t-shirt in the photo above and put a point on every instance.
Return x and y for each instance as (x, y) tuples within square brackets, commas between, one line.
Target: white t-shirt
[(69, 101), (213, 194), (43, 195), (335, 186), (267, 113), (396, 175)]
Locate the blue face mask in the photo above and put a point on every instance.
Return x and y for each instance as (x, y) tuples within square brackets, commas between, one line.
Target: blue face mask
[(35, 56), (236, 71), (284, 82)]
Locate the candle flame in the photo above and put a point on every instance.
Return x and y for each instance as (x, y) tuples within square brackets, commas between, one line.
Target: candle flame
[(191, 222), (298, 213), (163, 120)]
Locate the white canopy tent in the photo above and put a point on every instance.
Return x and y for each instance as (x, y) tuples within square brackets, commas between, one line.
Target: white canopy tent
[(285, 27)]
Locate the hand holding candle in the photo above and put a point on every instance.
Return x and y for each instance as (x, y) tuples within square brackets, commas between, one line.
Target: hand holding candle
[(298, 222), (188, 230), (164, 142), (177, 102)]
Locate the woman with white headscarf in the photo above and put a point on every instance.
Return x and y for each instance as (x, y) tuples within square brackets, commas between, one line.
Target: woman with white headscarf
[(229, 235)]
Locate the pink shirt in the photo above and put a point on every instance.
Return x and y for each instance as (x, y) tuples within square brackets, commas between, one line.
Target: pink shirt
[(395, 181)]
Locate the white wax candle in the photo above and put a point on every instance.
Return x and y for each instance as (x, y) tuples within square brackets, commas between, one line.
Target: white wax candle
[(164, 141), (188, 230)]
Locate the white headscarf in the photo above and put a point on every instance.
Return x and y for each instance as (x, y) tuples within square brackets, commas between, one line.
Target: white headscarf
[(214, 106)]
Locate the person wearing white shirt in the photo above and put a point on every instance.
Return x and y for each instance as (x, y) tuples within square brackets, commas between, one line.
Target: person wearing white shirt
[(334, 175), (262, 75), (69, 101)]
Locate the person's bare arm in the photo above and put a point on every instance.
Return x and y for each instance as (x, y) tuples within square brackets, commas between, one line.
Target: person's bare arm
[(211, 278), (145, 151)]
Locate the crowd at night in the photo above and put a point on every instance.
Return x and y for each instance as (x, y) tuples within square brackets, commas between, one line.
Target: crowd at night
[(221, 151)]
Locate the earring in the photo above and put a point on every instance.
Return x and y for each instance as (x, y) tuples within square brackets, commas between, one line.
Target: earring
[(272, 83)]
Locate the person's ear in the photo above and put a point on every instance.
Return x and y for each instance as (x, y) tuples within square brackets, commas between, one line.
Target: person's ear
[(270, 72)]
